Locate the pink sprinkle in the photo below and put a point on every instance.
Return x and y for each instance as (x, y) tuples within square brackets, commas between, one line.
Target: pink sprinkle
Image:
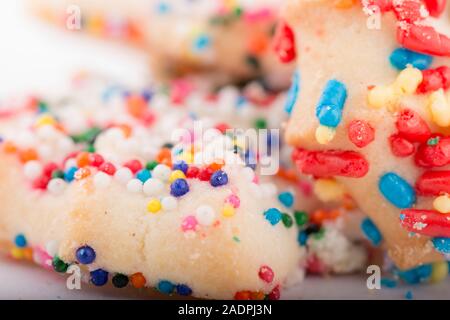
[(266, 274), (305, 187), (233, 200), (41, 257), (258, 15), (189, 224)]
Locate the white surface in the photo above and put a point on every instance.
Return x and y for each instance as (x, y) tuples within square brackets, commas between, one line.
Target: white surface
[(35, 57)]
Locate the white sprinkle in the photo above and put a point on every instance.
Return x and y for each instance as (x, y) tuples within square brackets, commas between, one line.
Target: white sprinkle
[(153, 187), (70, 163), (134, 185), (161, 172), (169, 203), (52, 248), (102, 180), (123, 175), (32, 169), (56, 186), (205, 215), (419, 225)]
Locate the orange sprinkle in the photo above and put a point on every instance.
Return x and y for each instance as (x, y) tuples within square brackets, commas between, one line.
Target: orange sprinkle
[(217, 165), (138, 280), (28, 155), (258, 43), (28, 253), (127, 130), (258, 295), (136, 106), (83, 159), (288, 174), (165, 157), (9, 147), (320, 215), (242, 295)]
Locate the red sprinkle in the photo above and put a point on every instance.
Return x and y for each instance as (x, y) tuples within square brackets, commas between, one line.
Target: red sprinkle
[(401, 147), (108, 168), (360, 133), (331, 163), (412, 127), (408, 10), (434, 155), (192, 172), (424, 39), (434, 79), (433, 183), (242, 295), (41, 182), (133, 165), (96, 160), (284, 43), (49, 168), (266, 274), (205, 174), (275, 293), (426, 222), (435, 7)]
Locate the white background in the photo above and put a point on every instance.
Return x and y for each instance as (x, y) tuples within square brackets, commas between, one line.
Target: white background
[(36, 57)]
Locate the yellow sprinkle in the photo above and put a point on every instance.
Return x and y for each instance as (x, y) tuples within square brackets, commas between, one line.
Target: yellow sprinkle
[(408, 80), (442, 204), (187, 157), (381, 97), (177, 174), (328, 190), (439, 108), (45, 120), (439, 271), (228, 211), (17, 253), (325, 134), (154, 206)]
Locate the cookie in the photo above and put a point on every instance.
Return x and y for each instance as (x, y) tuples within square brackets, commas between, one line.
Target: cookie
[(226, 41), (371, 110)]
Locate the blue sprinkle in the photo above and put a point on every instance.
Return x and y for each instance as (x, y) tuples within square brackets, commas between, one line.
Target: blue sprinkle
[(415, 275), (99, 277), (70, 174), (166, 287), (409, 295), (331, 103), (20, 241), (397, 190), (292, 94), (219, 178), (179, 188), (202, 42), (371, 231), (147, 95), (85, 255), (143, 175), (241, 101), (302, 238), (388, 283), (400, 58), (181, 165), (286, 198), (183, 290), (163, 8), (442, 245), (273, 215)]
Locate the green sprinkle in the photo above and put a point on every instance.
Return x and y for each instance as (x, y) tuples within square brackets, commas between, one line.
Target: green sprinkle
[(151, 165), (88, 136), (261, 123), (253, 62), (90, 148), (433, 141), (58, 174), (319, 235), (236, 239), (42, 106), (287, 220), (59, 265), (301, 218)]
